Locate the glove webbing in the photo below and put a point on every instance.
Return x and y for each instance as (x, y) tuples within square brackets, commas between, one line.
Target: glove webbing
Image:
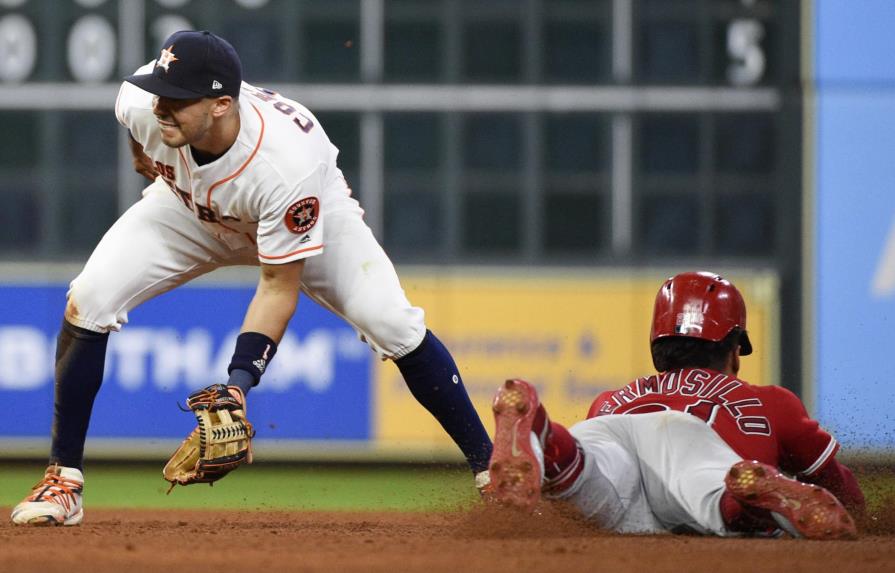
[(227, 433)]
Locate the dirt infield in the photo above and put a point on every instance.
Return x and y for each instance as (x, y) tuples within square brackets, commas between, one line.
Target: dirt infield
[(137, 541)]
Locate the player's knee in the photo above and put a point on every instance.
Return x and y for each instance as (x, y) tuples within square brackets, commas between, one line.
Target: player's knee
[(88, 308), (72, 313), (392, 332)]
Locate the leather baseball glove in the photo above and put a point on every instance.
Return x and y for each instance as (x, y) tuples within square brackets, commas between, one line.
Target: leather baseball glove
[(221, 442)]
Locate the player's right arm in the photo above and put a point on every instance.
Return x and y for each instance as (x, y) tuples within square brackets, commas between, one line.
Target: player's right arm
[(840, 481), (133, 110), (809, 452), (142, 163)]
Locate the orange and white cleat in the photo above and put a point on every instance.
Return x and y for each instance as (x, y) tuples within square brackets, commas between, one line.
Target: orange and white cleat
[(515, 470), (55, 500), (802, 510)]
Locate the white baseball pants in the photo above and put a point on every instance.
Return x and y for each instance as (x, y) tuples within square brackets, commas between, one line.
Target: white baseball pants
[(158, 245), (651, 473)]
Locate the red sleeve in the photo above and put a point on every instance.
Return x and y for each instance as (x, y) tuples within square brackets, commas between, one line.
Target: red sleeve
[(598, 402), (804, 446), (841, 482)]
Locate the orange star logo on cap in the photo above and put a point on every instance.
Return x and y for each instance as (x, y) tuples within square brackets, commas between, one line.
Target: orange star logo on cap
[(166, 57)]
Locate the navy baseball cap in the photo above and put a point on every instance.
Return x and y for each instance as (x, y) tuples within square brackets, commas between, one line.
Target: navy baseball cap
[(193, 65)]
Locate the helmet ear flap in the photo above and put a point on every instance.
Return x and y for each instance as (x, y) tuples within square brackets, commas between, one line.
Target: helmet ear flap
[(745, 344)]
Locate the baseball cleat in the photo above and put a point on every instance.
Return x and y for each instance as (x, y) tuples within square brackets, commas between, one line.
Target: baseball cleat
[(802, 510), (55, 500), (514, 469), (483, 482)]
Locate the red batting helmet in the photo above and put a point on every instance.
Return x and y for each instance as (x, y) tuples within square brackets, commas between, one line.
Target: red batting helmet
[(699, 305)]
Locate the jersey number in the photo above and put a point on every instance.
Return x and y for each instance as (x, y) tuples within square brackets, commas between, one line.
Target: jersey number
[(302, 121), (297, 118), (705, 410)]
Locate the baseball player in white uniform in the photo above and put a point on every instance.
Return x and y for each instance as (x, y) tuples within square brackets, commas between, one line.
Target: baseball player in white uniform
[(240, 176)]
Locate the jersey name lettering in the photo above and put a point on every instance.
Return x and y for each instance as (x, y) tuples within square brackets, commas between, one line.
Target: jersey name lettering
[(184, 196), (694, 383), (673, 388), (206, 214), (167, 173), (203, 213)]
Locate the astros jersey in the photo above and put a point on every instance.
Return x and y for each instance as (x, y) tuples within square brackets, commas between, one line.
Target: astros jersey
[(272, 189), (764, 423)]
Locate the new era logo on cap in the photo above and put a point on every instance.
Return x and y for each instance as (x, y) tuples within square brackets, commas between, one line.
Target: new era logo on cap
[(205, 65)]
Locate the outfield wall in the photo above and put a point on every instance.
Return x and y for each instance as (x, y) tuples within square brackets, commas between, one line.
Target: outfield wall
[(853, 218), (326, 395)]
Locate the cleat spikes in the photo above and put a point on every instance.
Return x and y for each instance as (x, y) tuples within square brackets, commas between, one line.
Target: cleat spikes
[(513, 465), (800, 509)]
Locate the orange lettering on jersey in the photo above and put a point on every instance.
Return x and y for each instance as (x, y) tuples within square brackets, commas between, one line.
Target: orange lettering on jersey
[(166, 171), (184, 196), (206, 214)]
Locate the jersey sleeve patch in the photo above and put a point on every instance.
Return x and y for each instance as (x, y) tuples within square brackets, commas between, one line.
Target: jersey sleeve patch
[(302, 215)]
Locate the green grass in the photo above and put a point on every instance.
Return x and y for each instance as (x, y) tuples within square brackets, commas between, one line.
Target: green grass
[(263, 487), (305, 487), (879, 489)]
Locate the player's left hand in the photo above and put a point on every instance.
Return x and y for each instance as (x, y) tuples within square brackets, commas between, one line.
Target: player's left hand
[(221, 442)]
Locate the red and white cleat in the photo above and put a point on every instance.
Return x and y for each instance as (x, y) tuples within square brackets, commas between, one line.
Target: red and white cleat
[(55, 500), (515, 470), (800, 509)]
